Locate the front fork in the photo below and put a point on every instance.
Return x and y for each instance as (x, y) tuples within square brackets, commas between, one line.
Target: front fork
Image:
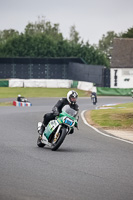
[(56, 135)]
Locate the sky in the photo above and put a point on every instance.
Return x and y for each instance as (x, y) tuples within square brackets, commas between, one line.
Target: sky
[(92, 18)]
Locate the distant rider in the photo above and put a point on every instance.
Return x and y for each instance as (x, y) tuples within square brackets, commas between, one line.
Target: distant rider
[(57, 109), (21, 99), (95, 95)]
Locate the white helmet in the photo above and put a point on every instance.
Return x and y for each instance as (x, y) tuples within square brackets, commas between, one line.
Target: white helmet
[(19, 95), (72, 96)]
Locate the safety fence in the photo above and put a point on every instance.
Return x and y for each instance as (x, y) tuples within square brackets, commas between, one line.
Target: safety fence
[(60, 83), (105, 91), (54, 68), (4, 83), (47, 83)]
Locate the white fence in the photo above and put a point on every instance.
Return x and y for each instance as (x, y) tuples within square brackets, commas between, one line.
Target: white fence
[(50, 83)]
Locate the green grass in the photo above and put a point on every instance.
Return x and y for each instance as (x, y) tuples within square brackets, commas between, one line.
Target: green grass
[(120, 117), (6, 92), (6, 103)]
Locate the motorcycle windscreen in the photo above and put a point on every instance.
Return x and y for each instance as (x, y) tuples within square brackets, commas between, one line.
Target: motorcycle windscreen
[(69, 110)]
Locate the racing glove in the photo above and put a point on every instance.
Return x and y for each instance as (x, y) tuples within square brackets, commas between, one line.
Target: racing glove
[(55, 111)]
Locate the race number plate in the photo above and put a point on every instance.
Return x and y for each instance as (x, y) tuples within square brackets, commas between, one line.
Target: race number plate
[(68, 121)]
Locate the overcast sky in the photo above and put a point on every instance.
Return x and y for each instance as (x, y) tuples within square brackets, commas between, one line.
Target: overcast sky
[(92, 18)]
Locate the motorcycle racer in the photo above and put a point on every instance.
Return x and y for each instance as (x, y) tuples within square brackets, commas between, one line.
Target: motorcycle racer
[(56, 110)]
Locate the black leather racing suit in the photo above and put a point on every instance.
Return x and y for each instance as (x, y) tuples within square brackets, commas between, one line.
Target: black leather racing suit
[(57, 109)]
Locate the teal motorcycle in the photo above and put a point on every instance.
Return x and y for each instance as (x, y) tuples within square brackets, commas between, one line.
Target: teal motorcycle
[(56, 130)]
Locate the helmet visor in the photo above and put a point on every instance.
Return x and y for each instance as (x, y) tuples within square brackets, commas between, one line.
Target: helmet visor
[(73, 99)]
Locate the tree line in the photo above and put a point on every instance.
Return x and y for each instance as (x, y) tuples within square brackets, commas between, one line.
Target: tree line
[(44, 39)]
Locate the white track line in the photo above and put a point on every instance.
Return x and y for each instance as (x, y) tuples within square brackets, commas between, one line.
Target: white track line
[(116, 138)]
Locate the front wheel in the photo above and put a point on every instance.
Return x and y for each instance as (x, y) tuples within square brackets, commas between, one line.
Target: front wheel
[(59, 139), (94, 101)]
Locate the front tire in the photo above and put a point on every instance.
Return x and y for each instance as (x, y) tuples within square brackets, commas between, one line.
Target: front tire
[(59, 141), (94, 101)]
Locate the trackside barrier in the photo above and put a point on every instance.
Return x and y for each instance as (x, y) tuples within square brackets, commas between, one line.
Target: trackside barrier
[(51, 83), (23, 104), (87, 86), (104, 91), (47, 83), (62, 83), (4, 83), (74, 84)]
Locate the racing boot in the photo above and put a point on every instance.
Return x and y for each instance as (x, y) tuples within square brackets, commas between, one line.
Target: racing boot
[(71, 131), (41, 130)]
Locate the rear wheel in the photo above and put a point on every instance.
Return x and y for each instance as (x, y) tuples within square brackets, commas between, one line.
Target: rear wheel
[(58, 139), (39, 143)]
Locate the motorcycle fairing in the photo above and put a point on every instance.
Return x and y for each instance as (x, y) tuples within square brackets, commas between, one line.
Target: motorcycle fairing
[(50, 128)]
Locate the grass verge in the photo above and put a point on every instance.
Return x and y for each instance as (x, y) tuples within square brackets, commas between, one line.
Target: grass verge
[(119, 117), (6, 103), (6, 92)]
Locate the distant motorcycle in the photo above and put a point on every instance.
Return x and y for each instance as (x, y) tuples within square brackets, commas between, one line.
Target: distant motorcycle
[(94, 98), (56, 130)]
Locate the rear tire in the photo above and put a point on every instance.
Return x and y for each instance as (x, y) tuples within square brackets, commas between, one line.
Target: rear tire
[(60, 140), (39, 143)]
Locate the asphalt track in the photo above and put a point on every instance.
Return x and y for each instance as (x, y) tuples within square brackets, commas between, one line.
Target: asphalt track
[(88, 165)]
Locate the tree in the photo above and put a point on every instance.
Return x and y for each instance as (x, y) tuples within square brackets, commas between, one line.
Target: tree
[(128, 34), (106, 42), (43, 39), (74, 35), (6, 34), (45, 27)]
